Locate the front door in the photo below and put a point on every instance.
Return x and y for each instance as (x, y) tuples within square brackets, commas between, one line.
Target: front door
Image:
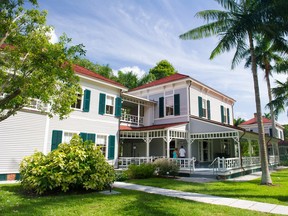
[(204, 151)]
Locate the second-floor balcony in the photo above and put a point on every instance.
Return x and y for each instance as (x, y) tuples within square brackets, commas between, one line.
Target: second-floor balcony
[(132, 119)]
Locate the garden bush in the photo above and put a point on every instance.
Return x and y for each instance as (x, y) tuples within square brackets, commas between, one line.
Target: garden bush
[(78, 165), (145, 170), (121, 176), (165, 166)]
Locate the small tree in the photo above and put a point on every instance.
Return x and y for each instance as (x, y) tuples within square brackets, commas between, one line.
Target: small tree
[(31, 66)]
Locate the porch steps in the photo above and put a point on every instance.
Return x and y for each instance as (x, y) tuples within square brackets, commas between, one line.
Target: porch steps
[(199, 173)]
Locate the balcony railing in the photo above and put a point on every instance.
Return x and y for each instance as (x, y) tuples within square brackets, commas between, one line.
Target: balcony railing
[(132, 119)]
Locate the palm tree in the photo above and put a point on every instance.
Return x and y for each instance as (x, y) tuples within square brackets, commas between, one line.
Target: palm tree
[(235, 26), (267, 51), (280, 97), (238, 121)]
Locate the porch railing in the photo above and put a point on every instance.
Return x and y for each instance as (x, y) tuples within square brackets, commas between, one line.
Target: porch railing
[(183, 163), (274, 159), (132, 119), (224, 164)]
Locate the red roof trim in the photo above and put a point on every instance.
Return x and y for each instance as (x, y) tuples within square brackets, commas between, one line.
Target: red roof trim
[(152, 127), (168, 79), (254, 121), (81, 70)]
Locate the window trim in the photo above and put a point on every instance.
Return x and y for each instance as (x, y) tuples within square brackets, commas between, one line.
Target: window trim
[(114, 104), (106, 144), (82, 101), (68, 131)]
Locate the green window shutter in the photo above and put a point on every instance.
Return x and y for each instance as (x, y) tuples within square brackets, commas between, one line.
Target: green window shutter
[(228, 115), (102, 102), (111, 147), (3, 177), (208, 109), (177, 104), (56, 139), (86, 103), (200, 106), (118, 107), (222, 114), (161, 107), (91, 137), (84, 136)]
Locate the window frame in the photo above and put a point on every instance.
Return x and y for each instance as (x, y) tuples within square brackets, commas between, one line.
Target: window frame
[(168, 94), (68, 131), (113, 107), (81, 103), (106, 143)]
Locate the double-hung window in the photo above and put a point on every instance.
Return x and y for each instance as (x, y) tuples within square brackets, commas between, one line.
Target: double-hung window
[(204, 108), (109, 105), (78, 103), (67, 136), (169, 105), (102, 142), (225, 115)]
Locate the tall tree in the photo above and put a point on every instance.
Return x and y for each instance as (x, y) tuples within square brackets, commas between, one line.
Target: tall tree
[(236, 27), (128, 79), (103, 70), (267, 52), (31, 66), (162, 69)]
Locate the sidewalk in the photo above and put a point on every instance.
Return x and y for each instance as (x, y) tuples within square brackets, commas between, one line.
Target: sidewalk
[(215, 200)]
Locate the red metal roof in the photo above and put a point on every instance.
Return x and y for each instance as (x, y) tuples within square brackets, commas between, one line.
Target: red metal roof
[(254, 121), (81, 70), (152, 127), (168, 79)]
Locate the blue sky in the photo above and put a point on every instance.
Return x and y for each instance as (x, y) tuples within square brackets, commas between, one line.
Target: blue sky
[(136, 34)]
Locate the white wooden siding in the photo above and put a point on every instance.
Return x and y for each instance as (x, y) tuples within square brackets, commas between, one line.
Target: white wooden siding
[(20, 136)]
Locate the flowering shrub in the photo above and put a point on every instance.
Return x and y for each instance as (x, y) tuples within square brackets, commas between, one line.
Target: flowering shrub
[(165, 166), (76, 165)]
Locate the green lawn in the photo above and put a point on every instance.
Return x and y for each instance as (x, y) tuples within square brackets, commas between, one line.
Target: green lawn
[(13, 202), (251, 190)]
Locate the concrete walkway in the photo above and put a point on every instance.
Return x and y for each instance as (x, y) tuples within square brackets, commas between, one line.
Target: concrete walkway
[(215, 200)]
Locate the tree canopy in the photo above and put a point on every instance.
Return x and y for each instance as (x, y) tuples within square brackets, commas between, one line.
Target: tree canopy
[(31, 66), (162, 69)]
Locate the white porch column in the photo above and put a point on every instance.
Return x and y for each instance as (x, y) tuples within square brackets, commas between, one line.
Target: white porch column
[(147, 143), (249, 148), (168, 144), (138, 117)]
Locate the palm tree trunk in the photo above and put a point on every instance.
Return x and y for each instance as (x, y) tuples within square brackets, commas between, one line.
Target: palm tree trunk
[(274, 132), (266, 178)]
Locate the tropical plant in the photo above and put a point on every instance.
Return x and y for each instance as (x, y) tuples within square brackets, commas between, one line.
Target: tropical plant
[(78, 165), (237, 27), (128, 79), (266, 52), (238, 121), (31, 66)]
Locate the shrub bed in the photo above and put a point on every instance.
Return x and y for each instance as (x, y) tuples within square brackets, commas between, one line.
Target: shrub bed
[(78, 165), (166, 167)]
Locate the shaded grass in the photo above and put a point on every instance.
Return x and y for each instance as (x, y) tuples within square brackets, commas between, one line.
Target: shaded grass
[(14, 202), (250, 190)]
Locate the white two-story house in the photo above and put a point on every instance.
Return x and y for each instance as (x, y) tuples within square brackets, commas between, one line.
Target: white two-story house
[(95, 117), (180, 111)]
